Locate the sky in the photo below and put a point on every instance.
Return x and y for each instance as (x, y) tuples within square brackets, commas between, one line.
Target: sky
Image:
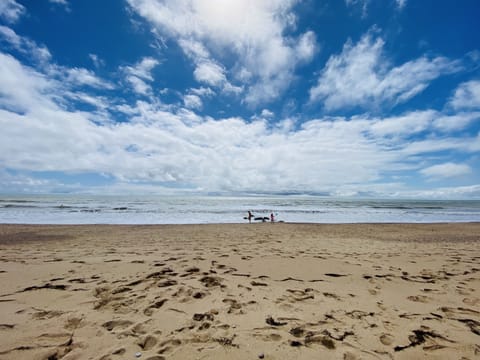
[(376, 98)]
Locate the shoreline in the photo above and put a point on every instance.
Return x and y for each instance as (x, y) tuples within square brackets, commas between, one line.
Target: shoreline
[(272, 291)]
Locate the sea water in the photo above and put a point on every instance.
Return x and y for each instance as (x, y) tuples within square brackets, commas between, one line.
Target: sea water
[(154, 209)]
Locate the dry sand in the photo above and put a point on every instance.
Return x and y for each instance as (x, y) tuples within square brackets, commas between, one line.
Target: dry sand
[(271, 291)]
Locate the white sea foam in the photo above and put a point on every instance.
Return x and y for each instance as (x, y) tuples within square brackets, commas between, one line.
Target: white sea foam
[(83, 209)]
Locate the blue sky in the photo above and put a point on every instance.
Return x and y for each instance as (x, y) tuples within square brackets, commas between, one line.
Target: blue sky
[(344, 97)]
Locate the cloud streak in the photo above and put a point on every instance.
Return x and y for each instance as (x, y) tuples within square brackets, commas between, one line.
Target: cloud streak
[(361, 76)]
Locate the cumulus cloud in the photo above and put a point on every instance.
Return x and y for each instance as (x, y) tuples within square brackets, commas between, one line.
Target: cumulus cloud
[(362, 75), (140, 74), (163, 144), (467, 96), (446, 170), (11, 11), (210, 73), (250, 32), (230, 154), (306, 46), (192, 101)]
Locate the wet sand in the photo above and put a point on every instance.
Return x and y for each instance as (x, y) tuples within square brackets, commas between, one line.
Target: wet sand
[(240, 291)]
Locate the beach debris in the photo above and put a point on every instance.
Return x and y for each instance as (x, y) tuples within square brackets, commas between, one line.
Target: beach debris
[(474, 325), (201, 317), (211, 281), (7, 326), (297, 331), (335, 275), (46, 286), (271, 321), (198, 295), (359, 314), (227, 341), (138, 354), (167, 283), (419, 337), (161, 273)]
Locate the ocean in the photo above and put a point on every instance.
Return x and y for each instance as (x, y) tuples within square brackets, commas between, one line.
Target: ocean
[(155, 209)]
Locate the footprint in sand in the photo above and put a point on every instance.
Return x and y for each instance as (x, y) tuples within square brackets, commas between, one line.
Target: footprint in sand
[(168, 345), (46, 314), (73, 323), (269, 337), (147, 343), (113, 324), (471, 301), (7, 326), (419, 298), (158, 304), (386, 339)]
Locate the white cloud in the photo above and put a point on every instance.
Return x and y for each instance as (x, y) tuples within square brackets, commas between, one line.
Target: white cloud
[(361, 4), (210, 73), (401, 4), (24, 45), (192, 101), (138, 85), (81, 76), (96, 60), (446, 170), (363, 76), (11, 11), (266, 113), (63, 3), (60, 2), (21, 87), (455, 122), (161, 143), (404, 125), (202, 91), (306, 46), (251, 32), (143, 69), (139, 74), (467, 96)]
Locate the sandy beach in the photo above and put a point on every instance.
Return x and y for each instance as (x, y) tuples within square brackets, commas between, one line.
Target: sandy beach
[(240, 291)]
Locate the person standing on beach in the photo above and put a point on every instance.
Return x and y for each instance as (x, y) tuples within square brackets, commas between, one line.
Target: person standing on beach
[(250, 216), (272, 218)]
